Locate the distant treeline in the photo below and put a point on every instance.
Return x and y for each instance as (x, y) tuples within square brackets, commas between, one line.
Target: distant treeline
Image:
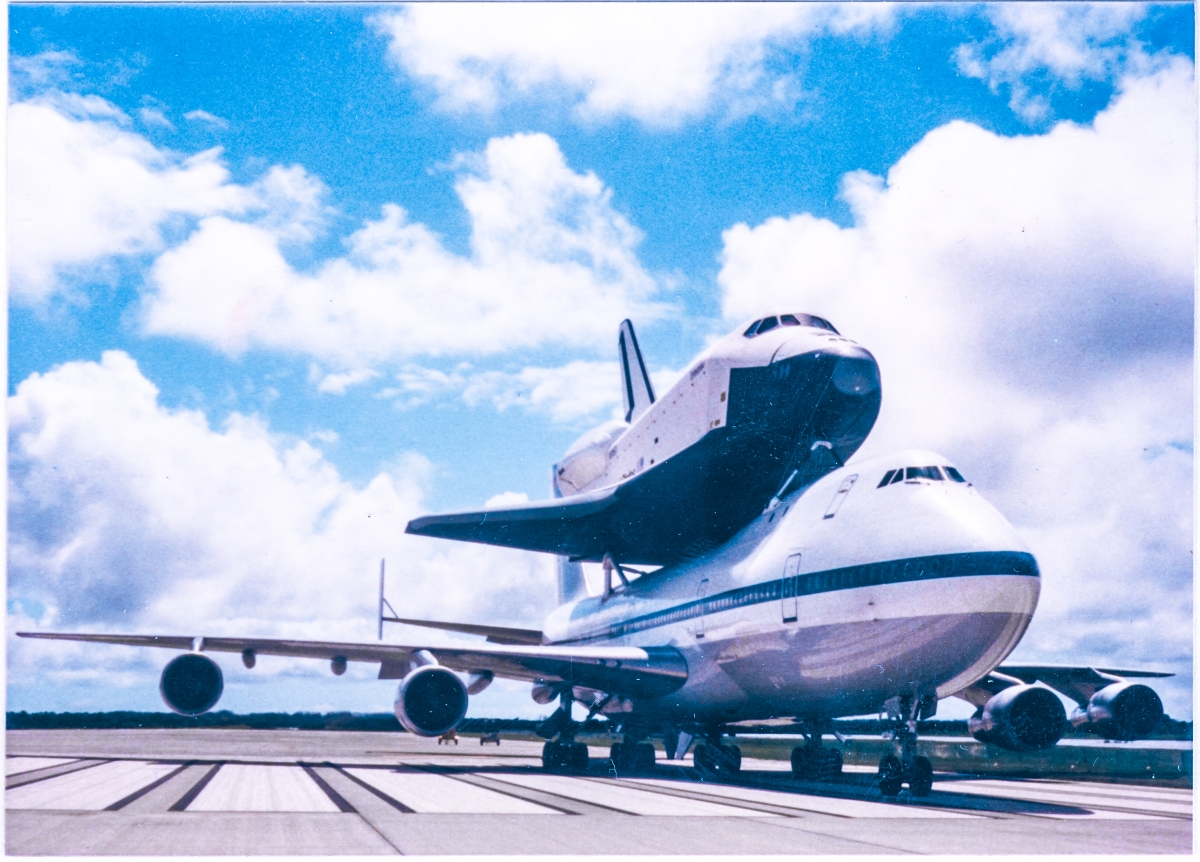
[(384, 721)]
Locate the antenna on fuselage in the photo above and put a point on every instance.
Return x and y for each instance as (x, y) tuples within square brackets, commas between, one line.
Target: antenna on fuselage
[(384, 603)]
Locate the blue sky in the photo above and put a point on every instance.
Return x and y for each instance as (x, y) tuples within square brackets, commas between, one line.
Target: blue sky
[(330, 267)]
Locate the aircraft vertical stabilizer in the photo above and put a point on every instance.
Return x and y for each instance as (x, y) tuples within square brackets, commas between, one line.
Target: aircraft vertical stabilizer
[(572, 584), (636, 391)]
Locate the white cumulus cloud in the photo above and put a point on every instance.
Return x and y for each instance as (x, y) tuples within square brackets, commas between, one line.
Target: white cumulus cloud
[(657, 62), (85, 191), (125, 515), (550, 261), (1069, 42), (1030, 303)]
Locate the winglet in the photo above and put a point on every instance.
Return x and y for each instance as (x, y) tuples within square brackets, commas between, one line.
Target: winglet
[(636, 391)]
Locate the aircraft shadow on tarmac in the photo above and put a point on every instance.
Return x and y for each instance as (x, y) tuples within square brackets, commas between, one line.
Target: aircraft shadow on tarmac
[(849, 786)]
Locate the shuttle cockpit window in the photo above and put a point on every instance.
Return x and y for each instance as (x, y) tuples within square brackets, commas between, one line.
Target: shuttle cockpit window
[(766, 324)]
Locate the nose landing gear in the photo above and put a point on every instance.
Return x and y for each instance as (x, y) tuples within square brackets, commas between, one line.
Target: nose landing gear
[(908, 767)]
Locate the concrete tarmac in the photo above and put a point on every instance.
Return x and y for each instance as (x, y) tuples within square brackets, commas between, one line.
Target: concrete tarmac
[(256, 792)]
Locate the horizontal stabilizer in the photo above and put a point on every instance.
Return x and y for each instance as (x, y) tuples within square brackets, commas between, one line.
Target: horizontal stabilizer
[(494, 634)]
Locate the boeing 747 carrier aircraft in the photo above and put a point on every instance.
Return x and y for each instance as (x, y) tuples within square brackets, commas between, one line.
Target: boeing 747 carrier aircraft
[(751, 571)]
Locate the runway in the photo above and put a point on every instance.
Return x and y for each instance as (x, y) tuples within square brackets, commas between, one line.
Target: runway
[(238, 792)]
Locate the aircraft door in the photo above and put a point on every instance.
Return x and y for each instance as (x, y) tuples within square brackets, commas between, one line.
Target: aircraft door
[(788, 588), (701, 592)]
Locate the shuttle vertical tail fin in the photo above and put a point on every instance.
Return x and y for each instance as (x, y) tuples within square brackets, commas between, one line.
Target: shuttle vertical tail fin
[(636, 391)]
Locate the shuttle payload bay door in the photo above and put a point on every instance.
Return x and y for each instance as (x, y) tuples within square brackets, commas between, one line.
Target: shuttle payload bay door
[(788, 588)]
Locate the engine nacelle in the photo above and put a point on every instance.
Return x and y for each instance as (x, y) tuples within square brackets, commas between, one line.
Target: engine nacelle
[(431, 701), (1020, 718), (1123, 710), (191, 684)]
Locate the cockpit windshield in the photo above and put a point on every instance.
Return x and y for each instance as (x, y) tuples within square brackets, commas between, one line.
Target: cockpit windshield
[(766, 324)]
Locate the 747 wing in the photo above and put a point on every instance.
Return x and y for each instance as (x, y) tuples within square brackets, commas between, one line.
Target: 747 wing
[(639, 672)]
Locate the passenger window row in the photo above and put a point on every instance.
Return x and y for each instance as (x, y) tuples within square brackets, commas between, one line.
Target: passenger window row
[(913, 473), (758, 327)]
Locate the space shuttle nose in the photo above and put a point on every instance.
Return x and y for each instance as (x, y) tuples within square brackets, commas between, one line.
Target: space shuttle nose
[(856, 372)]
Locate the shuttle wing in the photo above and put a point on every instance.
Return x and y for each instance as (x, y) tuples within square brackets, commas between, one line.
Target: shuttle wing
[(574, 527), (639, 672), (672, 510)]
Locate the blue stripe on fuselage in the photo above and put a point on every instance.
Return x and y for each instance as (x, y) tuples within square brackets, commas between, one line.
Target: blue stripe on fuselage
[(830, 580)]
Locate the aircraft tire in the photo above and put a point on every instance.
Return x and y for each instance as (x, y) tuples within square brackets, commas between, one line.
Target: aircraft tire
[(643, 757), (891, 775), (616, 753), (552, 758), (579, 757), (803, 762), (705, 758), (831, 764), (920, 777), (730, 761)]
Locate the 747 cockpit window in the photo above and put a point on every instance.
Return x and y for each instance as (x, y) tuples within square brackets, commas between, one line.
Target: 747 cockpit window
[(891, 477), (766, 324), (922, 473)]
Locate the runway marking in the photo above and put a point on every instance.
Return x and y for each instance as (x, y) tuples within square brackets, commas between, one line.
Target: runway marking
[(1079, 798), (623, 797), (429, 793), (138, 794), (48, 772), (395, 803), (334, 797), (196, 789), (88, 789), (19, 765), (807, 802), (240, 787)]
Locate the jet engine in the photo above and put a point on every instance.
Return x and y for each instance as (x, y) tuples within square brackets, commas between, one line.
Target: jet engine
[(191, 684), (1020, 718), (1123, 710), (431, 701)]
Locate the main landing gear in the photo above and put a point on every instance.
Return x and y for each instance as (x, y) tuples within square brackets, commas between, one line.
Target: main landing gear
[(565, 756), (632, 756), (718, 760), (812, 761), (908, 767), (562, 753)]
